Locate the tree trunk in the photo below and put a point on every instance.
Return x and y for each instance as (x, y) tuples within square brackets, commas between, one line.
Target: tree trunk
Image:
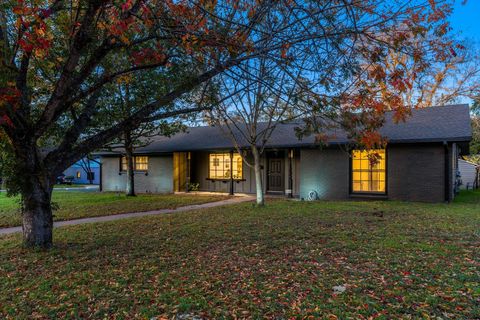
[(89, 174), (130, 188), (258, 176), (37, 212)]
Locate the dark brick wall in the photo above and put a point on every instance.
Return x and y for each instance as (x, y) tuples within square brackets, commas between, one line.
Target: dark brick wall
[(416, 172), (325, 171)]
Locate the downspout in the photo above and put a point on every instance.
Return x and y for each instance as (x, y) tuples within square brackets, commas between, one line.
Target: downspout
[(290, 174), (447, 172), (477, 177), (231, 173)]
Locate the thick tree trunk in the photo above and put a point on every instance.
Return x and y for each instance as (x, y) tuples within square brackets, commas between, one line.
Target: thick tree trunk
[(130, 188), (258, 176), (37, 212)]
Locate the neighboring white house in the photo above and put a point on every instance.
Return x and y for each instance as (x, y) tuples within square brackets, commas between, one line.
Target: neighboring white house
[(468, 174)]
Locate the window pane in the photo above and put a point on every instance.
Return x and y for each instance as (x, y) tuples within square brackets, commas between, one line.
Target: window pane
[(216, 169), (141, 163), (365, 176), (380, 175), (141, 167), (356, 175), (219, 166), (237, 166), (381, 186), (356, 164), (356, 186), (364, 186), (365, 164), (123, 166)]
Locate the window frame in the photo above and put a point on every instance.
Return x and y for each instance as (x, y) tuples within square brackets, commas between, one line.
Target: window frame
[(241, 178), (369, 193), (134, 164)]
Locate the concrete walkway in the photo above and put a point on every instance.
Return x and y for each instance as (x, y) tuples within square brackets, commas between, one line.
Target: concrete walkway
[(57, 224), (72, 188)]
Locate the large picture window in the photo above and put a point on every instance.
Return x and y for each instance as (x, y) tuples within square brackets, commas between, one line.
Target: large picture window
[(368, 176), (219, 166), (140, 163)]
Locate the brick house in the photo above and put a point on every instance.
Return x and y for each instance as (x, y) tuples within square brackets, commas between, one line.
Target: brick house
[(419, 163)]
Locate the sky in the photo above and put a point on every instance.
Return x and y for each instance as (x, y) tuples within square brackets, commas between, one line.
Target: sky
[(466, 20)]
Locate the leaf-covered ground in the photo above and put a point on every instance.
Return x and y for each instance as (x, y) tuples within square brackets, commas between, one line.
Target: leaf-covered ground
[(79, 204), (395, 260)]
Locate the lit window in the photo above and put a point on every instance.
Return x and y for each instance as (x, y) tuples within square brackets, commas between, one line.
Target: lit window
[(79, 175), (123, 165), (219, 166), (368, 176), (140, 163)]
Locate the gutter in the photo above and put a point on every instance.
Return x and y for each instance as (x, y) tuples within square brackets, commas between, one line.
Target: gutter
[(301, 144)]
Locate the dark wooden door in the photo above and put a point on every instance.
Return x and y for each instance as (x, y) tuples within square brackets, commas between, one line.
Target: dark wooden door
[(275, 175)]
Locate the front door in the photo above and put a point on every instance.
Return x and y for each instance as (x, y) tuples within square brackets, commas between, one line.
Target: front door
[(275, 175)]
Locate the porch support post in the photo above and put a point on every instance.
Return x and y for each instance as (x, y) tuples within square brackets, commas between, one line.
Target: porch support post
[(290, 174), (188, 173), (231, 173)]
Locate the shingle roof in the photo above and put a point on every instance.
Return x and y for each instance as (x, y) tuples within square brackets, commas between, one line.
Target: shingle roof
[(435, 124)]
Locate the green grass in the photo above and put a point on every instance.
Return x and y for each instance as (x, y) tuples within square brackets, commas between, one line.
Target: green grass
[(74, 205), (397, 260), (468, 196)]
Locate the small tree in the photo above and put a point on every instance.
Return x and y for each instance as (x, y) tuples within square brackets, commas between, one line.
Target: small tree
[(252, 107), (126, 103), (125, 98)]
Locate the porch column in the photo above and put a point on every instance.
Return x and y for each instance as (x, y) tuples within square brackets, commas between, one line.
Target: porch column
[(231, 172), (188, 173), (290, 174)]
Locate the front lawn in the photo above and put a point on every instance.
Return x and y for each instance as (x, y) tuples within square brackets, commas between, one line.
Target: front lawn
[(390, 259), (78, 204), (468, 196)]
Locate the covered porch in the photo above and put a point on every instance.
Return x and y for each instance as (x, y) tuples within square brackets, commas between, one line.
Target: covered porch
[(226, 171)]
